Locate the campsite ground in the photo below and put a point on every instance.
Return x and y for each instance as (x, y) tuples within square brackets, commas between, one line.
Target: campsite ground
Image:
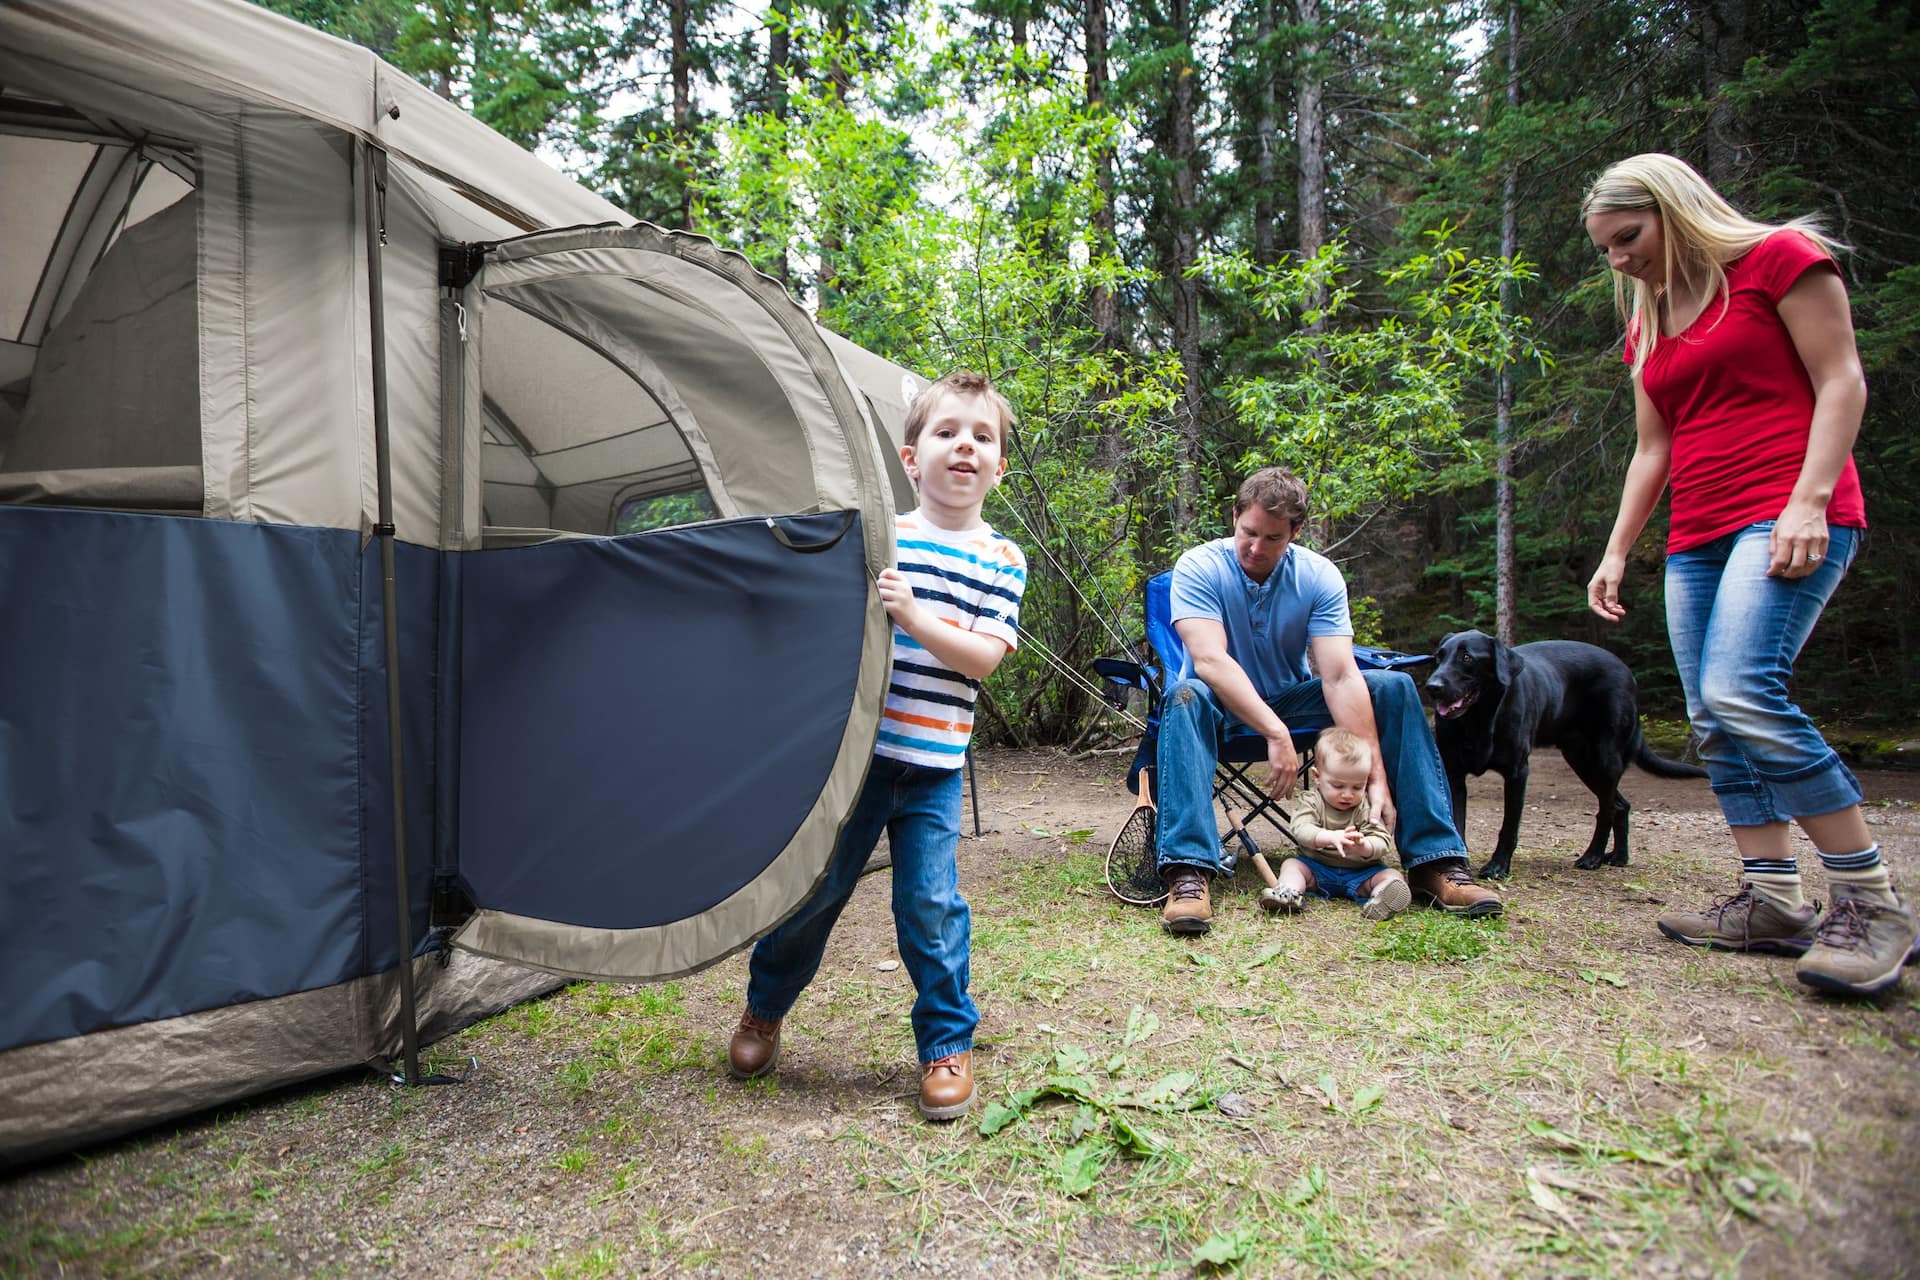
[(1559, 1093)]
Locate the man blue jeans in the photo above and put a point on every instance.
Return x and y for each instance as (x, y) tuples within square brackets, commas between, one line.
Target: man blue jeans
[(1268, 631), (919, 808), (1193, 725)]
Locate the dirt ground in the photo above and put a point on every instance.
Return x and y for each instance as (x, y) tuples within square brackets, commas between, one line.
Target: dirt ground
[(1585, 1098)]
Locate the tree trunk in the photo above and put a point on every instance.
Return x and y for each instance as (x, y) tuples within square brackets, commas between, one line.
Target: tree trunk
[(1310, 141), (1266, 110), (1105, 307), (839, 81), (682, 70), (1726, 39), (1185, 295), (779, 63), (1504, 601)]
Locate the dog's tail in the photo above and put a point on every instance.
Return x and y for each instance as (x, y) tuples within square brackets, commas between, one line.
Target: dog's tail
[(1658, 765)]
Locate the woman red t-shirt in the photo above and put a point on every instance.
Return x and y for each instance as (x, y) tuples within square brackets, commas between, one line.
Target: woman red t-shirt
[(1738, 403)]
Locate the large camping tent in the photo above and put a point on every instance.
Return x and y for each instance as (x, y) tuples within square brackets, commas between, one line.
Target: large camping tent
[(303, 370)]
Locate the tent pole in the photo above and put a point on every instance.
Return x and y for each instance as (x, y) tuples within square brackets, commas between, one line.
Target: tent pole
[(973, 789), (376, 185)]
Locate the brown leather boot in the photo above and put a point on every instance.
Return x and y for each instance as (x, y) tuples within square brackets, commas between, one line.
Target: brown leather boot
[(754, 1049), (1189, 906), (946, 1086), (1448, 886)]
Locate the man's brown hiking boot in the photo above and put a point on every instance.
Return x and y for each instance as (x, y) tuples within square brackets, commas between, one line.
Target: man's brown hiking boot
[(754, 1049), (1189, 906), (946, 1086), (1448, 886), (1745, 921), (1859, 947)]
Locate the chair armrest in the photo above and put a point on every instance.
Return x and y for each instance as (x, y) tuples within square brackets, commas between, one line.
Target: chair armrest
[(1372, 659), (1121, 674)]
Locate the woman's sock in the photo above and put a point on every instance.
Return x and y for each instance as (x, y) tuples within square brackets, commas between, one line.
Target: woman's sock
[(1859, 875), (1775, 879)]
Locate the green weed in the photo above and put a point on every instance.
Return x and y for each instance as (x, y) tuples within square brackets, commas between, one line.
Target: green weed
[(1431, 937)]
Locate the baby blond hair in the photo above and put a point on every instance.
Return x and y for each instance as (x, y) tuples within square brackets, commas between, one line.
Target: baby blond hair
[(1343, 745)]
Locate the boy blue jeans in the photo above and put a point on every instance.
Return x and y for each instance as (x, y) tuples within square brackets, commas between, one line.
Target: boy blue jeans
[(919, 809), (1193, 724), (1735, 635)]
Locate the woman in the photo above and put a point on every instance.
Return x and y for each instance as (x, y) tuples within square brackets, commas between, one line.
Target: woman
[(1747, 398)]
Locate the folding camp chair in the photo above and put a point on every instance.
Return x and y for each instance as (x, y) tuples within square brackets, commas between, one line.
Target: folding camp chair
[(1233, 782)]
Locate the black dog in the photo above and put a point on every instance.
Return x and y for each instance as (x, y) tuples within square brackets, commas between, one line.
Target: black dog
[(1493, 705)]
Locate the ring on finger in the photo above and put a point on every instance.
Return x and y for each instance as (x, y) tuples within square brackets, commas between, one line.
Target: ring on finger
[(1813, 555)]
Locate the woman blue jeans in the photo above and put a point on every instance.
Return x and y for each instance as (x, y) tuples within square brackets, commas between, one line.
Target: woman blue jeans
[(1735, 634)]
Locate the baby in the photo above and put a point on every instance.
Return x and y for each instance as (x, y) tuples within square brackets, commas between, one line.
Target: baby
[(1344, 851)]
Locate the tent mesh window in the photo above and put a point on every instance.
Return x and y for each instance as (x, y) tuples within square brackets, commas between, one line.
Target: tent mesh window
[(99, 362), (571, 443)]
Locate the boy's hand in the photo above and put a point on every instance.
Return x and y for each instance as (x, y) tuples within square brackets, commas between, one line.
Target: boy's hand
[(1337, 841), (896, 597)]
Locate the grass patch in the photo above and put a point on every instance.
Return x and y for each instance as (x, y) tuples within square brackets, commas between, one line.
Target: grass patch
[(1557, 1093), (1431, 937)]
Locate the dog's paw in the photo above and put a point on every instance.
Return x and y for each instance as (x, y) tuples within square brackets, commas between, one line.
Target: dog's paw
[(1494, 871), (1616, 859), (1591, 861)]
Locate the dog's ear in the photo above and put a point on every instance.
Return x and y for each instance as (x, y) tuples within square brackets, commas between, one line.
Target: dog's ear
[(1503, 664)]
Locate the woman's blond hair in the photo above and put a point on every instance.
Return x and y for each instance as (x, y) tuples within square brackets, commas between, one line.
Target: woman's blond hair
[(1702, 234)]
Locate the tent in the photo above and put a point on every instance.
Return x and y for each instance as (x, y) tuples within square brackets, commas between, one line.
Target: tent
[(321, 401)]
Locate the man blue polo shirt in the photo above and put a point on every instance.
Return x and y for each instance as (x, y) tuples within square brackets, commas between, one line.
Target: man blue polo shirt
[(1269, 623)]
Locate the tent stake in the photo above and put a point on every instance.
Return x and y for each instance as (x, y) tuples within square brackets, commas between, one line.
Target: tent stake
[(376, 183)]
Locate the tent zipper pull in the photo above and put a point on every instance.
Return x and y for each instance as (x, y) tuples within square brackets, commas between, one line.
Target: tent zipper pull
[(460, 317)]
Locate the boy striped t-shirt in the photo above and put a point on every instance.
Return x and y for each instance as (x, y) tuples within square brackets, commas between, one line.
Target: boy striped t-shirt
[(972, 580)]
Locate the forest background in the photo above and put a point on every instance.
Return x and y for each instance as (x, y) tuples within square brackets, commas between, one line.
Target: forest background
[(1194, 237)]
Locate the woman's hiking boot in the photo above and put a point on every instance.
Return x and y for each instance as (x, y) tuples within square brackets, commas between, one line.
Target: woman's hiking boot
[(1745, 921), (1859, 947)]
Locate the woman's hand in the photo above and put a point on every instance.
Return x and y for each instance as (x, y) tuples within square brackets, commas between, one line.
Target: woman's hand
[(1603, 592), (1799, 540)]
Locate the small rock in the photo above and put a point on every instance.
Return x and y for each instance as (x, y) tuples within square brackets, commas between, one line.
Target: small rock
[(1233, 1105), (887, 966)]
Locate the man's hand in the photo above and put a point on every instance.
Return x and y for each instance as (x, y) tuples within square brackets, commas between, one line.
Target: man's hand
[(1283, 764), (1380, 800)]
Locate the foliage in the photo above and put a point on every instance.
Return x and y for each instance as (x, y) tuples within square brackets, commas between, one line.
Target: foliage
[(1373, 412), (943, 184)]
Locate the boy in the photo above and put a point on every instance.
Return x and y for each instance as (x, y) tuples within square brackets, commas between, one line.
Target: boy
[(954, 598), (1346, 849)]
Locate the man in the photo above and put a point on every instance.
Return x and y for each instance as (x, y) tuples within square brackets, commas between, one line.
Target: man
[(1249, 608)]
